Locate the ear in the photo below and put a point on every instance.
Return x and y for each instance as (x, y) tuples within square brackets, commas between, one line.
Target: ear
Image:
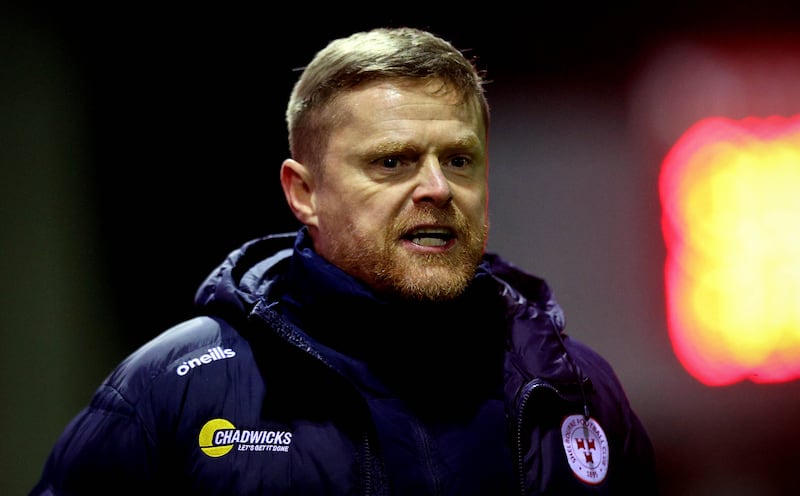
[(298, 187)]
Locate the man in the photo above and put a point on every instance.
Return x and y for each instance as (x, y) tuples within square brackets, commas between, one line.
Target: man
[(379, 350)]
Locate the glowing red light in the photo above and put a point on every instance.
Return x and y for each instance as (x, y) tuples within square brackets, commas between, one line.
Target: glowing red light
[(730, 195)]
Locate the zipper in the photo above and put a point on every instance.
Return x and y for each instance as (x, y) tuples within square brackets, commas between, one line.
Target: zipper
[(371, 467), (366, 466), (527, 393)]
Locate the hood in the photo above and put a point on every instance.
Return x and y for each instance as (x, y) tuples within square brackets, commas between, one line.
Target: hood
[(248, 274), (535, 343), (538, 347)]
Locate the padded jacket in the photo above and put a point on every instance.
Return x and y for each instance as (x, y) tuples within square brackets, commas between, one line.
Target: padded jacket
[(243, 400)]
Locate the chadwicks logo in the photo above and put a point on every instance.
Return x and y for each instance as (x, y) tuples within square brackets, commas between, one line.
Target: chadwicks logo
[(219, 436), (214, 354), (587, 448)]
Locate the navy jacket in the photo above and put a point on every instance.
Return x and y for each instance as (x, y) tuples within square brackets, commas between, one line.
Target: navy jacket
[(295, 380)]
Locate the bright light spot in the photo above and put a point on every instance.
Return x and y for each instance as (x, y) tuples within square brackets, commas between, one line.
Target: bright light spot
[(730, 193)]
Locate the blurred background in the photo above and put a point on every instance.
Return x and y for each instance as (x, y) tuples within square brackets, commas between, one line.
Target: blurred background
[(140, 144)]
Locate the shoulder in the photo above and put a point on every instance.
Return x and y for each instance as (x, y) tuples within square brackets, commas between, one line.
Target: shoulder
[(605, 387), (175, 352), (594, 364)]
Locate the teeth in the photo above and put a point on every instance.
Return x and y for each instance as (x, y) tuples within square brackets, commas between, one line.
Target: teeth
[(429, 241), (431, 237)]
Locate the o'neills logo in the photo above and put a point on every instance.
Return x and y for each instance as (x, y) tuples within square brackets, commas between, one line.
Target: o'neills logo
[(586, 447), (219, 436), (214, 354)]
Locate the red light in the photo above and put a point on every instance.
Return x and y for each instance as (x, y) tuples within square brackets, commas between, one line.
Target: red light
[(730, 195)]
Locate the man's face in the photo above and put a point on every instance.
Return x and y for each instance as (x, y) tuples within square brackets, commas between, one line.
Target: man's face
[(401, 203)]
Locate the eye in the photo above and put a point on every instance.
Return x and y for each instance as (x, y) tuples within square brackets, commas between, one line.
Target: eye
[(460, 162), (385, 167), (389, 162)]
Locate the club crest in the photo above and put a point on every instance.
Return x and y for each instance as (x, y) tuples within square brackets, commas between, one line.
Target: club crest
[(586, 447)]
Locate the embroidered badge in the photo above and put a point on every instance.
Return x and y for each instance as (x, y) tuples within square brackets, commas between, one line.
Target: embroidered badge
[(219, 436), (586, 447)]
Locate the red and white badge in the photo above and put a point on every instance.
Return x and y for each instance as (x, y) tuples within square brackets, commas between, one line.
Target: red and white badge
[(586, 447)]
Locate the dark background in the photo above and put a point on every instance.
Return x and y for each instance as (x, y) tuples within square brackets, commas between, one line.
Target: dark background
[(141, 143)]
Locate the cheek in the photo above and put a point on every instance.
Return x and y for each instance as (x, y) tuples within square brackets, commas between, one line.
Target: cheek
[(330, 210), (374, 204), (351, 208), (475, 205)]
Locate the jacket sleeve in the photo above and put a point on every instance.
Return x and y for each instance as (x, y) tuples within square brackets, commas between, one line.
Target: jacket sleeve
[(105, 449), (635, 461)]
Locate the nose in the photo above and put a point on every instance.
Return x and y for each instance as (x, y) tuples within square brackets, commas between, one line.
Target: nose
[(432, 184)]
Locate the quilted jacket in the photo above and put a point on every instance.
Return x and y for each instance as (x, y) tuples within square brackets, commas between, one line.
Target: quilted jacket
[(293, 379)]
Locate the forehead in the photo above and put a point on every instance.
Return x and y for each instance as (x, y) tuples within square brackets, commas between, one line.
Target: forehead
[(404, 98)]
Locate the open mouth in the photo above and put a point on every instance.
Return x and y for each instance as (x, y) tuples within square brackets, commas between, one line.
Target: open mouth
[(432, 237)]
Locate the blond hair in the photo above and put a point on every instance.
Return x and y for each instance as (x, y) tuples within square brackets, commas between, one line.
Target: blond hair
[(381, 53)]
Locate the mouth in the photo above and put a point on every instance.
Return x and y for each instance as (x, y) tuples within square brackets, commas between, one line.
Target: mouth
[(433, 237)]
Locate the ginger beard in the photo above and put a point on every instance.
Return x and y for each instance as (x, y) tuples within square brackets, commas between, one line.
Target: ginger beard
[(389, 267)]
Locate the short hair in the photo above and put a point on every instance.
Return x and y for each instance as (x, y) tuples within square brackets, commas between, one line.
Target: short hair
[(380, 53)]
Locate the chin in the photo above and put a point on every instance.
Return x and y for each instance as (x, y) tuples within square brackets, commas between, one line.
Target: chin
[(435, 284)]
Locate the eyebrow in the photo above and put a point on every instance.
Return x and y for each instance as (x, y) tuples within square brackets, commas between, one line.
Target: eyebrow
[(392, 147)]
